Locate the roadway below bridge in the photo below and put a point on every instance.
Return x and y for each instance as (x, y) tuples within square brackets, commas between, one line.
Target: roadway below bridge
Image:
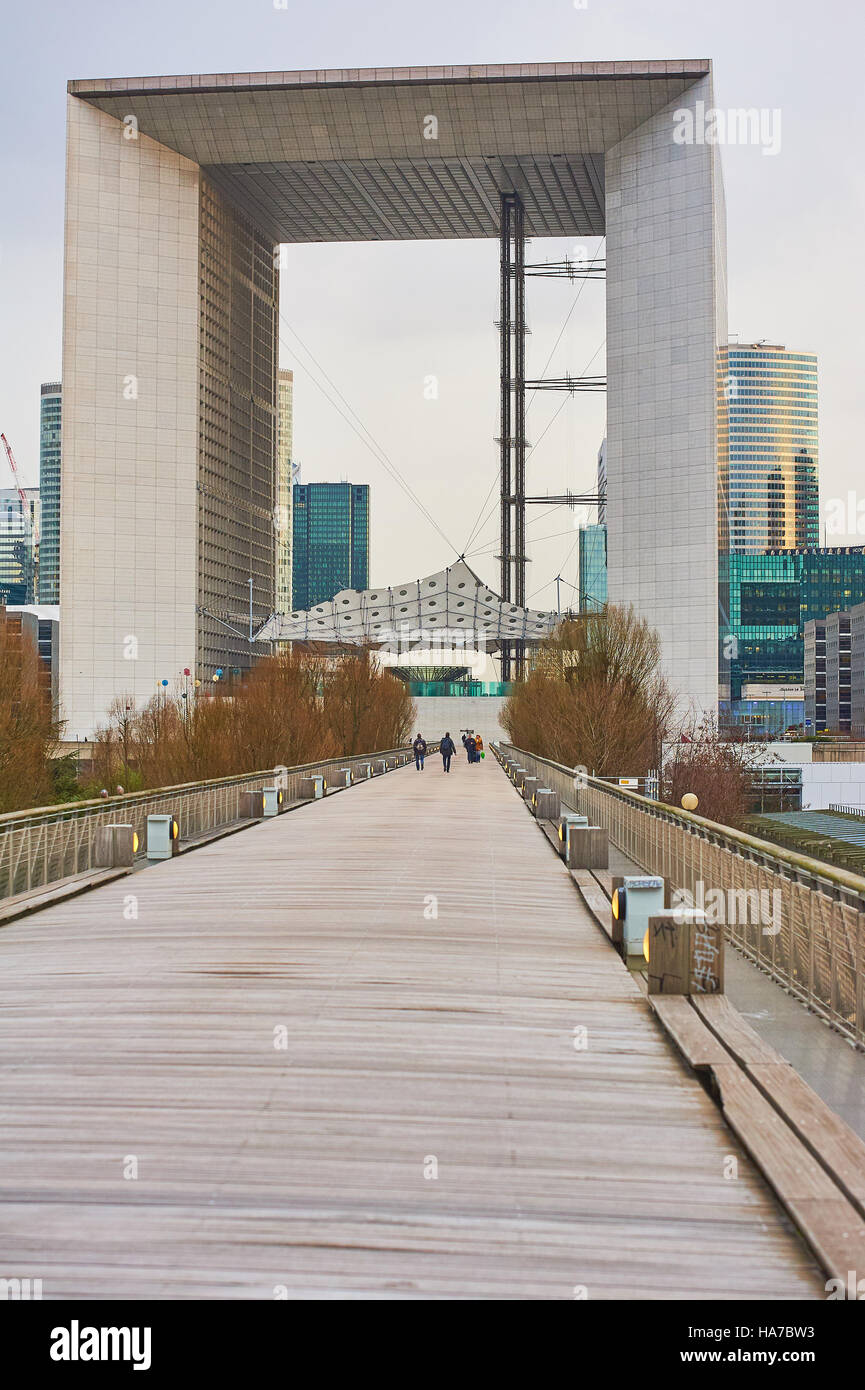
[(377, 1047)]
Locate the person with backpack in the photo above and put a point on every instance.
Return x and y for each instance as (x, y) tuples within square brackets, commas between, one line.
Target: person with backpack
[(447, 748), (419, 750)]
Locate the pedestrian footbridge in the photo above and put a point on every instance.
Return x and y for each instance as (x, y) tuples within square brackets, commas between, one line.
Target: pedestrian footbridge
[(380, 1044)]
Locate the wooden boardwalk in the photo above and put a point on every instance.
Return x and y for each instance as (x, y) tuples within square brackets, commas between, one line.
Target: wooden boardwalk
[(305, 1021)]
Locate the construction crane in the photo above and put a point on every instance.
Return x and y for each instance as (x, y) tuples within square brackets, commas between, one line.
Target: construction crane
[(17, 481)]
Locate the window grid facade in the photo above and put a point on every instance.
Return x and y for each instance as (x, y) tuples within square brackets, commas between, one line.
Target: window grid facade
[(331, 541), (766, 602), (593, 568), (49, 493), (284, 486), (239, 291), (767, 443), (19, 530)]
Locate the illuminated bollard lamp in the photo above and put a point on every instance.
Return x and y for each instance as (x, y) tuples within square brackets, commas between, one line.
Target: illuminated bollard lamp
[(685, 952), (545, 804), (530, 786), (567, 819), (252, 805), (639, 897), (115, 847), (312, 788), (163, 836), (588, 847), (271, 801)]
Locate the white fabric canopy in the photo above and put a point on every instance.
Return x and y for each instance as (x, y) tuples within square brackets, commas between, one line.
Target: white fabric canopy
[(436, 610)]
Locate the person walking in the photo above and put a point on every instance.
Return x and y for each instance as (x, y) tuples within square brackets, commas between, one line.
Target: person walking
[(479, 746), (419, 750), (447, 748), (472, 749), (466, 746)]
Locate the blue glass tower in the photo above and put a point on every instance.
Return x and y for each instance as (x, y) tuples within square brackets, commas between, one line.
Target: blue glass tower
[(593, 568), (331, 541)]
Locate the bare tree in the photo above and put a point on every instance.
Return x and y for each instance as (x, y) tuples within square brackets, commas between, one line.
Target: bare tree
[(597, 697), (715, 770)]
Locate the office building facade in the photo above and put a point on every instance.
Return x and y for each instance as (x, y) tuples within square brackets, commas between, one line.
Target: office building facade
[(767, 448), (331, 541), (49, 492), (284, 538), (835, 687), (766, 602), (592, 568), (19, 545), (602, 483), (838, 646), (815, 675), (857, 671)]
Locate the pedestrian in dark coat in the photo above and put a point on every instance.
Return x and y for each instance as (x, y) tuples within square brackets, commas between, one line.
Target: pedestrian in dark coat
[(447, 748)]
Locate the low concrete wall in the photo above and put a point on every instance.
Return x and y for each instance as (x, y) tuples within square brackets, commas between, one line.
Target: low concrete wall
[(438, 714)]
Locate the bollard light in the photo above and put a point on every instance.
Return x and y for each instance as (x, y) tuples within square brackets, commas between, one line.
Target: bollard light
[(312, 788), (114, 846), (686, 952), (640, 897), (568, 820), (271, 800), (162, 833)]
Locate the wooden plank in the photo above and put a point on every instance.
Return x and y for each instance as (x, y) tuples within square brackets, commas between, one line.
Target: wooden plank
[(734, 1031), (694, 1040), (793, 1172), (294, 1023), (829, 1138)]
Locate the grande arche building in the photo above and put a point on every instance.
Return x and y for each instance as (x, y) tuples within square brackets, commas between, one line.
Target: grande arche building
[(179, 189)]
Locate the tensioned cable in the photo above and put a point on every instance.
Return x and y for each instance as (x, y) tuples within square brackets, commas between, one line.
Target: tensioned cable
[(371, 443), (478, 529)]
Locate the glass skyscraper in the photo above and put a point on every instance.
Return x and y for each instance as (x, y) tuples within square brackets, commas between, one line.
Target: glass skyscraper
[(331, 541), (49, 490), (19, 542), (767, 443), (767, 600), (593, 568)]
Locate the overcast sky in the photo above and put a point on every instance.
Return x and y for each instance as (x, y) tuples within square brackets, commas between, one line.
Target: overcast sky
[(381, 319)]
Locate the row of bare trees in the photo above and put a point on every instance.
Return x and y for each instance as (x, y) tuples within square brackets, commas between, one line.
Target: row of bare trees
[(597, 698), (290, 709)]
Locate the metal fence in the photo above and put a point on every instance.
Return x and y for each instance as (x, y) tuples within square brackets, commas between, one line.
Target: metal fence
[(800, 919), (39, 847)]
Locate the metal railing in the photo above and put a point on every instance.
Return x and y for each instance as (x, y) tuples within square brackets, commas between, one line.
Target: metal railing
[(41, 846), (811, 939)]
